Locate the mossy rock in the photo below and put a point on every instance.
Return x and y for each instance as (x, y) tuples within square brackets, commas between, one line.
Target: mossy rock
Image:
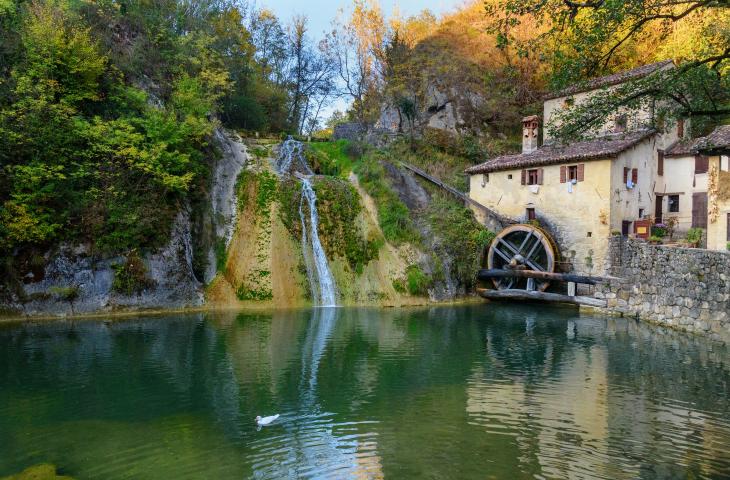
[(44, 471)]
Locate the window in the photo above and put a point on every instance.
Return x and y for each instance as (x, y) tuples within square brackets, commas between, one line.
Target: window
[(660, 162), (532, 176), (590, 234), (509, 177), (531, 214), (573, 173), (673, 203), (634, 172), (641, 213), (485, 179), (680, 128), (620, 123), (702, 164)]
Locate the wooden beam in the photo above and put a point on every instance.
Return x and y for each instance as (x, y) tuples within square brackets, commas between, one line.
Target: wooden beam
[(543, 296), (486, 274)]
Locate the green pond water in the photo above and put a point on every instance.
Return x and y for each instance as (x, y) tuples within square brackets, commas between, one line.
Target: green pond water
[(478, 391)]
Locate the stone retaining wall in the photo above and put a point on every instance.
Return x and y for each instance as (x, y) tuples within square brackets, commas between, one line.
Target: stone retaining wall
[(683, 288), (350, 131)]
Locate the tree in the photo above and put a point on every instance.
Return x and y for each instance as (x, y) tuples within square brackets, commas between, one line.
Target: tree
[(589, 38), (351, 47), (310, 78)]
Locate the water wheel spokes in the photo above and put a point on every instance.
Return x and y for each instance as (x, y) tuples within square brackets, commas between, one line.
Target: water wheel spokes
[(523, 247)]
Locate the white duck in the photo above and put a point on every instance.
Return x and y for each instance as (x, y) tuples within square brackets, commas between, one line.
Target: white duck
[(262, 421)]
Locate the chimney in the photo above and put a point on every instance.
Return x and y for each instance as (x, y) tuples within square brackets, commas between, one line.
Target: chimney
[(530, 127)]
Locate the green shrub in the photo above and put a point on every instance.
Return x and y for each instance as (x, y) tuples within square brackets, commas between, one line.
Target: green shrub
[(417, 281), (131, 276), (655, 239), (659, 230), (728, 245), (694, 236)]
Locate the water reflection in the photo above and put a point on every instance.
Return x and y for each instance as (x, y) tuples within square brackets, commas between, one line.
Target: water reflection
[(468, 392)]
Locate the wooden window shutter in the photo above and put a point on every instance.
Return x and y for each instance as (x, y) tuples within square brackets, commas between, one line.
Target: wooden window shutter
[(660, 163), (581, 171), (563, 173), (524, 177), (635, 175), (702, 164), (699, 210), (680, 128), (626, 175), (539, 176)]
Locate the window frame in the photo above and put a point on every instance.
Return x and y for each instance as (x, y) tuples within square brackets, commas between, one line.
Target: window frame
[(571, 170), (672, 204), (532, 174)]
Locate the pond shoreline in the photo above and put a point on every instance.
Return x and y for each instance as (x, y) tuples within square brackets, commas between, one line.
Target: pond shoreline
[(9, 318)]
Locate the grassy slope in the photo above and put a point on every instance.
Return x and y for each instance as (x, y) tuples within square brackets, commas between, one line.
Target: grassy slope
[(458, 234)]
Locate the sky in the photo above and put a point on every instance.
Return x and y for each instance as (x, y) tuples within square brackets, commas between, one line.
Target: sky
[(320, 14)]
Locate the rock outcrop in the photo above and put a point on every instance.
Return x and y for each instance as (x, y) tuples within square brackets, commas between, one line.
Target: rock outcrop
[(75, 281)]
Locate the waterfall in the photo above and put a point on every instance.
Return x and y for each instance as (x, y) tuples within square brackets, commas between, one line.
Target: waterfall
[(291, 153), (323, 290), (321, 281)]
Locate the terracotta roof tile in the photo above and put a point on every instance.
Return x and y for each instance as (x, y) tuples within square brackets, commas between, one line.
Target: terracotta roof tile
[(608, 80), (597, 148), (717, 142), (683, 148)]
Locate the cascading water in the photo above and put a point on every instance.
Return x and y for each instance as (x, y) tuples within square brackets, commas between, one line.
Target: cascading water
[(321, 281), (291, 154)]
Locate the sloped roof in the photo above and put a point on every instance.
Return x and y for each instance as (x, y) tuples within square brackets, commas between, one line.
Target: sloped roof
[(608, 80), (603, 147), (683, 148), (717, 142)]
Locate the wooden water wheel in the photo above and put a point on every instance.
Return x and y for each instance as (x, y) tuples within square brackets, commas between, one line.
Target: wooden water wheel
[(522, 247)]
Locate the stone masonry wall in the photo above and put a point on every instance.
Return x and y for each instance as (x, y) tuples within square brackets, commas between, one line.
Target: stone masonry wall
[(682, 288), (349, 131)]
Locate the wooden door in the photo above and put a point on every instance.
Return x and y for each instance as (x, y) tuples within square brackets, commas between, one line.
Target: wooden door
[(658, 210), (699, 210), (625, 228)]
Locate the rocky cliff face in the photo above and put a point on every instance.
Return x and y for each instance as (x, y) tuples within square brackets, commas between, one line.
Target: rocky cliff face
[(76, 283), (448, 108), (73, 281)]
